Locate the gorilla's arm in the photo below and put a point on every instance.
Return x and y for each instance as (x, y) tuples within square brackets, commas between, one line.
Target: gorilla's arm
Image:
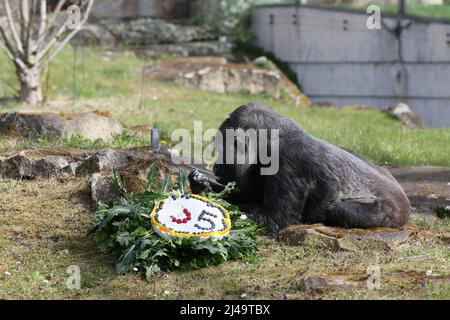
[(200, 182), (284, 202)]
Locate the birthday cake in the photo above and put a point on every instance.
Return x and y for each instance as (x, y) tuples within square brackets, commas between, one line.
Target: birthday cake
[(190, 216)]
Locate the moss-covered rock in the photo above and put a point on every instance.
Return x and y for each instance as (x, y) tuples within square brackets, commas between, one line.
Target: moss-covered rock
[(89, 125), (338, 239)]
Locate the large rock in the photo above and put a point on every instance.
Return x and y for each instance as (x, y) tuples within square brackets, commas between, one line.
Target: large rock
[(95, 34), (187, 49), (17, 167), (50, 166), (152, 37), (134, 164), (404, 113), (102, 189), (147, 31), (133, 175), (51, 162), (90, 125), (314, 285), (109, 159), (218, 75), (45, 162), (338, 239)]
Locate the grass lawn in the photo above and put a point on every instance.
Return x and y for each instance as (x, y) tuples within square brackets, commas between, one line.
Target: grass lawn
[(412, 9), (43, 227), (43, 223), (420, 10)]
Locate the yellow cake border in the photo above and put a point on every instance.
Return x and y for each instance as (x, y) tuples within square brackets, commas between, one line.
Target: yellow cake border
[(227, 220)]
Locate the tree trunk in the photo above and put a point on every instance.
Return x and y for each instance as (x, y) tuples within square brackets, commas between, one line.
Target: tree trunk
[(30, 85)]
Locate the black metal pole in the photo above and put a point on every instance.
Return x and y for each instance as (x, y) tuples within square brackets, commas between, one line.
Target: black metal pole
[(155, 141), (401, 9)]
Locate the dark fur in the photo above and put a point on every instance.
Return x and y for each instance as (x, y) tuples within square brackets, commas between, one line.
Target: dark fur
[(317, 182)]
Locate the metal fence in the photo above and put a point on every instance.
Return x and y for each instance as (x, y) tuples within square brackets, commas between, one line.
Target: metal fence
[(340, 60)]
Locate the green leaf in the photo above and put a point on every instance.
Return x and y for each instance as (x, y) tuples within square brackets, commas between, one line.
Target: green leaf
[(126, 261), (165, 186), (181, 180), (118, 184), (152, 177), (151, 270), (124, 239)]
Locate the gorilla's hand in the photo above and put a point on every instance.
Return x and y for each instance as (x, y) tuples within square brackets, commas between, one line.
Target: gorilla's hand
[(198, 182)]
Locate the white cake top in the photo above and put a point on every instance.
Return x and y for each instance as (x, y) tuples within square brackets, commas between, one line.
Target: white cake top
[(190, 216)]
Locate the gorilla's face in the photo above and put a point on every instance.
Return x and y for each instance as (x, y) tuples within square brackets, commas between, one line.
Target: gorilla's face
[(224, 170), (223, 174), (232, 163)]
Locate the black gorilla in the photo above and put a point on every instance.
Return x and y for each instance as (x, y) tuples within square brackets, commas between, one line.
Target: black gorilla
[(317, 182)]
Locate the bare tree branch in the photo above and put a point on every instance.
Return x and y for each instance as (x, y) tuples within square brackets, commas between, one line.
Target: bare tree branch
[(43, 51), (5, 49), (8, 44), (10, 50), (71, 34), (12, 28), (24, 17), (42, 18), (51, 22), (27, 25)]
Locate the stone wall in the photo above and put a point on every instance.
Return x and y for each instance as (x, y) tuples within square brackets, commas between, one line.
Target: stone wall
[(167, 9)]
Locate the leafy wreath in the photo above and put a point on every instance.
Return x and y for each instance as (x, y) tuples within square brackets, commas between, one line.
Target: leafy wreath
[(124, 229)]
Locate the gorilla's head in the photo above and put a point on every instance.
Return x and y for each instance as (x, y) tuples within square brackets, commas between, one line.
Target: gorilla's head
[(237, 150)]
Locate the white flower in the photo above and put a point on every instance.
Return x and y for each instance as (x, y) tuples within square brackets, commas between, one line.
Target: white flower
[(243, 217), (429, 273), (167, 292), (243, 295), (8, 273), (176, 193), (46, 281), (135, 269)]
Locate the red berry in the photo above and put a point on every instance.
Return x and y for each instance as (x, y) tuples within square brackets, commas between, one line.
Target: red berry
[(185, 220), (179, 221), (188, 218), (185, 210), (174, 219)]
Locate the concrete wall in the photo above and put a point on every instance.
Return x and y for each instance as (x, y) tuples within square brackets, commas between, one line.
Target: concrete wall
[(339, 60)]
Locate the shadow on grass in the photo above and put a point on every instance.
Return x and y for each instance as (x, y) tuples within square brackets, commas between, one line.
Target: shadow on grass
[(7, 100)]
